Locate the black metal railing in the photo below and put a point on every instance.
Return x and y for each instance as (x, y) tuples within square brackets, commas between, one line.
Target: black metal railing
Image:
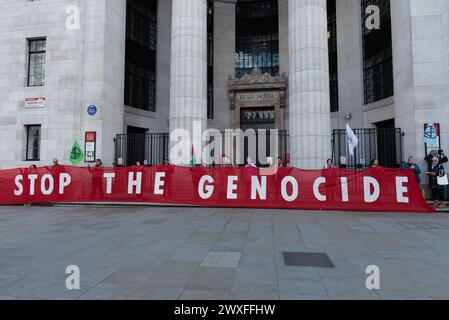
[(385, 145), (149, 149), (152, 149), (259, 145)]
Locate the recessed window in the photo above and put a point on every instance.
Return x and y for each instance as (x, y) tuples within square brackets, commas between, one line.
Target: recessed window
[(210, 59), (33, 141), (333, 53), (257, 37), (377, 54), (36, 62), (141, 53)]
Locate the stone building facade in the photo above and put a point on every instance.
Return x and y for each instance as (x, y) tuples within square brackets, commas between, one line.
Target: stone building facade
[(156, 66)]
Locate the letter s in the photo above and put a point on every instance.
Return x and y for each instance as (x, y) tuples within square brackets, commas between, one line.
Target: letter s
[(19, 190)]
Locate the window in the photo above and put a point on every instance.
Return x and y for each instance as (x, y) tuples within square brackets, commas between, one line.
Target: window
[(333, 53), (141, 48), (33, 141), (210, 59), (140, 89), (377, 54), (36, 62), (257, 37)]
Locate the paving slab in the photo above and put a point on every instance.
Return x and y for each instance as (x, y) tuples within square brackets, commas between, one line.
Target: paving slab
[(209, 253), (222, 260)]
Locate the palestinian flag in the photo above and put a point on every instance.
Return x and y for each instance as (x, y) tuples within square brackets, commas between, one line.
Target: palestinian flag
[(193, 158)]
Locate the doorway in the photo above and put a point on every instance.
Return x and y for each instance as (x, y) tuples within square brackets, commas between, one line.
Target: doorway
[(136, 145), (386, 144), (263, 118)]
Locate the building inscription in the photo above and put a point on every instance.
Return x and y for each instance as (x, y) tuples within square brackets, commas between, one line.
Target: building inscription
[(256, 96)]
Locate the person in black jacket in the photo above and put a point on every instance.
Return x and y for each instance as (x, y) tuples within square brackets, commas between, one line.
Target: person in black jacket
[(442, 158), (435, 170)]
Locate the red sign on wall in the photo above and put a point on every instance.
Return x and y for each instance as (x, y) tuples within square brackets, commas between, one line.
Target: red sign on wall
[(31, 103), (90, 146)]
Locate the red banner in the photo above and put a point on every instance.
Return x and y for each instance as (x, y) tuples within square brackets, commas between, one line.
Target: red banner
[(377, 189)]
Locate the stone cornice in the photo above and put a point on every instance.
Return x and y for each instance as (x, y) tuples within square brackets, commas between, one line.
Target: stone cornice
[(257, 79), (227, 1)]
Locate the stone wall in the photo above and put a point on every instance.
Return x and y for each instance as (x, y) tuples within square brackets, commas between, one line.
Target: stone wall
[(420, 70), (60, 119), (86, 66)]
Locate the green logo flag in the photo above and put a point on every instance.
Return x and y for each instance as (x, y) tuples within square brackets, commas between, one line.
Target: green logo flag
[(77, 155)]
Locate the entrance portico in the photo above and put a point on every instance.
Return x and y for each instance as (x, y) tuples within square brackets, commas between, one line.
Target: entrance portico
[(308, 85)]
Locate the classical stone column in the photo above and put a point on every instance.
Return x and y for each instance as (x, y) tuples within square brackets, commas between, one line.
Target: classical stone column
[(188, 82), (309, 99)]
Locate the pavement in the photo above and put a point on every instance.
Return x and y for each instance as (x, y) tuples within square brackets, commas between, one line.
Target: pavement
[(152, 253)]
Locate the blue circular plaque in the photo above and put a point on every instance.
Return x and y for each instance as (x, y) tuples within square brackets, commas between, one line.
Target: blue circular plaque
[(92, 110)]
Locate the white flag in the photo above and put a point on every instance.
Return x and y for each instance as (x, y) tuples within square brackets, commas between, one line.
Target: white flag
[(353, 141)]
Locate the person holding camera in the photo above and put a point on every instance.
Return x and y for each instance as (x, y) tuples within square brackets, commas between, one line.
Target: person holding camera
[(436, 174), (442, 158)]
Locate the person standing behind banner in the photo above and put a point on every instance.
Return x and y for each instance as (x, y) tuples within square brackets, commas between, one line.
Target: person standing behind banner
[(411, 164), (56, 169), (55, 162), (250, 170), (331, 176), (442, 158), (375, 163), (250, 163), (329, 164), (437, 190), (31, 170), (270, 169), (97, 179), (139, 168), (169, 171), (281, 162)]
